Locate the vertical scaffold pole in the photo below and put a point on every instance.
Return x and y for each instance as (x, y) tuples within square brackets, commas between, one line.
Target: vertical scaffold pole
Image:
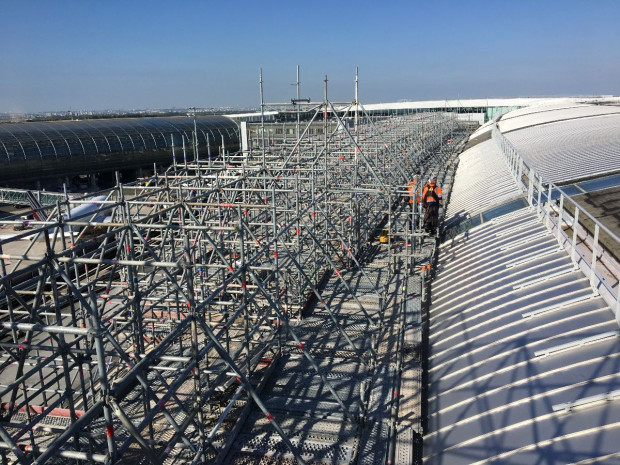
[(262, 114)]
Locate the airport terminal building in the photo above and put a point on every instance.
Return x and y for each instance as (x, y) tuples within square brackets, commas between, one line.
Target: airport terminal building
[(55, 152)]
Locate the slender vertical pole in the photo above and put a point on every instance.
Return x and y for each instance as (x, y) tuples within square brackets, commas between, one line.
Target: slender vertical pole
[(174, 155), (594, 257), (195, 137), (325, 167), (547, 220), (298, 98), (244, 294), (560, 218), (208, 150), (95, 324), (224, 151), (262, 114), (356, 210), (573, 253), (356, 104)]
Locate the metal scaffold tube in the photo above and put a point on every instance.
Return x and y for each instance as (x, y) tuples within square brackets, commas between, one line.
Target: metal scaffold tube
[(150, 328)]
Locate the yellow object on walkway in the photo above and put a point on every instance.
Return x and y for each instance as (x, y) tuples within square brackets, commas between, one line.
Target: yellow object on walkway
[(383, 237)]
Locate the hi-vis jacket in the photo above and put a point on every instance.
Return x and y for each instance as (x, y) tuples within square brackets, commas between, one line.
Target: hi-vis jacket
[(411, 188), (431, 194)]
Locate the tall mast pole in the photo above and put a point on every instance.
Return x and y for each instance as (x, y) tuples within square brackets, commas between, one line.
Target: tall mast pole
[(298, 97), (357, 103), (262, 113)]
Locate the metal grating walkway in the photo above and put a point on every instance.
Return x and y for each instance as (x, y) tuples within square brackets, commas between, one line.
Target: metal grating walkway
[(368, 350), (361, 362)]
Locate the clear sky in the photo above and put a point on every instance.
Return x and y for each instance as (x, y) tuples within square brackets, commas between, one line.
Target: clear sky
[(131, 54)]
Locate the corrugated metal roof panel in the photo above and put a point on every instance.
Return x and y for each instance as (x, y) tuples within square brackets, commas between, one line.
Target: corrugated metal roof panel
[(482, 130), (492, 102), (514, 331), (482, 180), (546, 115), (572, 149), (538, 109), (549, 440)]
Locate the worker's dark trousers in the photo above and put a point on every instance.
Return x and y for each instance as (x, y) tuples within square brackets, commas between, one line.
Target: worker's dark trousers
[(431, 216)]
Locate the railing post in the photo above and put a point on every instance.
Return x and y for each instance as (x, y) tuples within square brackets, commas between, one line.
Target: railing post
[(515, 163), (540, 188), (593, 268), (547, 221), (530, 188), (521, 169), (560, 217), (617, 309), (573, 253)]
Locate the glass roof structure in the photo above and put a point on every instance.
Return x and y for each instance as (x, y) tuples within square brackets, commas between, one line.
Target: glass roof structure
[(65, 139)]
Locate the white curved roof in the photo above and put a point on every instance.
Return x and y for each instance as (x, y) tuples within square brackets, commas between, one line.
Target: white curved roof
[(481, 181), (569, 144), (486, 102), (522, 354), (524, 358), (486, 127), (540, 108), (526, 117)]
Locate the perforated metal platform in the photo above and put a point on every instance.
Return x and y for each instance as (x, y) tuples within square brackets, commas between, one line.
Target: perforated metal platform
[(298, 397), (367, 352)]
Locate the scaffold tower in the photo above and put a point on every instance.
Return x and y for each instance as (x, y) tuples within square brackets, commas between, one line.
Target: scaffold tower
[(259, 307)]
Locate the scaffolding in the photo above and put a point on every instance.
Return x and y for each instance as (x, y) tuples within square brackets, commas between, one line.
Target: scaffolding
[(152, 328)]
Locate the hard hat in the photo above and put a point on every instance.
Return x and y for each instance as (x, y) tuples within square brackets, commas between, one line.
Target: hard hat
[(432, 178)]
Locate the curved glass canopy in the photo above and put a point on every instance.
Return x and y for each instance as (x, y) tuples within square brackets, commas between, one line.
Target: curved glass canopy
[(63, 139)]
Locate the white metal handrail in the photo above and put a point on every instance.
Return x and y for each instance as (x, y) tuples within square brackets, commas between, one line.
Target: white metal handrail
[(20, 196), (540, 192)]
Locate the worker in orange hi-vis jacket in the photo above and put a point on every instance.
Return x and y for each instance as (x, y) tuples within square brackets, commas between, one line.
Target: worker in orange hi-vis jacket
[(412, 190), (431, 201)]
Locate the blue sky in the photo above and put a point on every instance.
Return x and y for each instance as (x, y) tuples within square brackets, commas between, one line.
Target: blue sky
[(113, 54)]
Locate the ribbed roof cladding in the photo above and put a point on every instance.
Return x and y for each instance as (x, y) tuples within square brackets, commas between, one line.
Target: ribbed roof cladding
[(504, 297), (482, 171), (538, 110), (482, 130), (524, 356), (546, 115), (571, 149)]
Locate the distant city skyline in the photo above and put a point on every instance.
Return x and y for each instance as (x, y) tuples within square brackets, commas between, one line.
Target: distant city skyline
[(94, 56)]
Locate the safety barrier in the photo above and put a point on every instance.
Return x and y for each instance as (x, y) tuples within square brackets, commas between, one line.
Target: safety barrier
[(576, 229), (20, 196)]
